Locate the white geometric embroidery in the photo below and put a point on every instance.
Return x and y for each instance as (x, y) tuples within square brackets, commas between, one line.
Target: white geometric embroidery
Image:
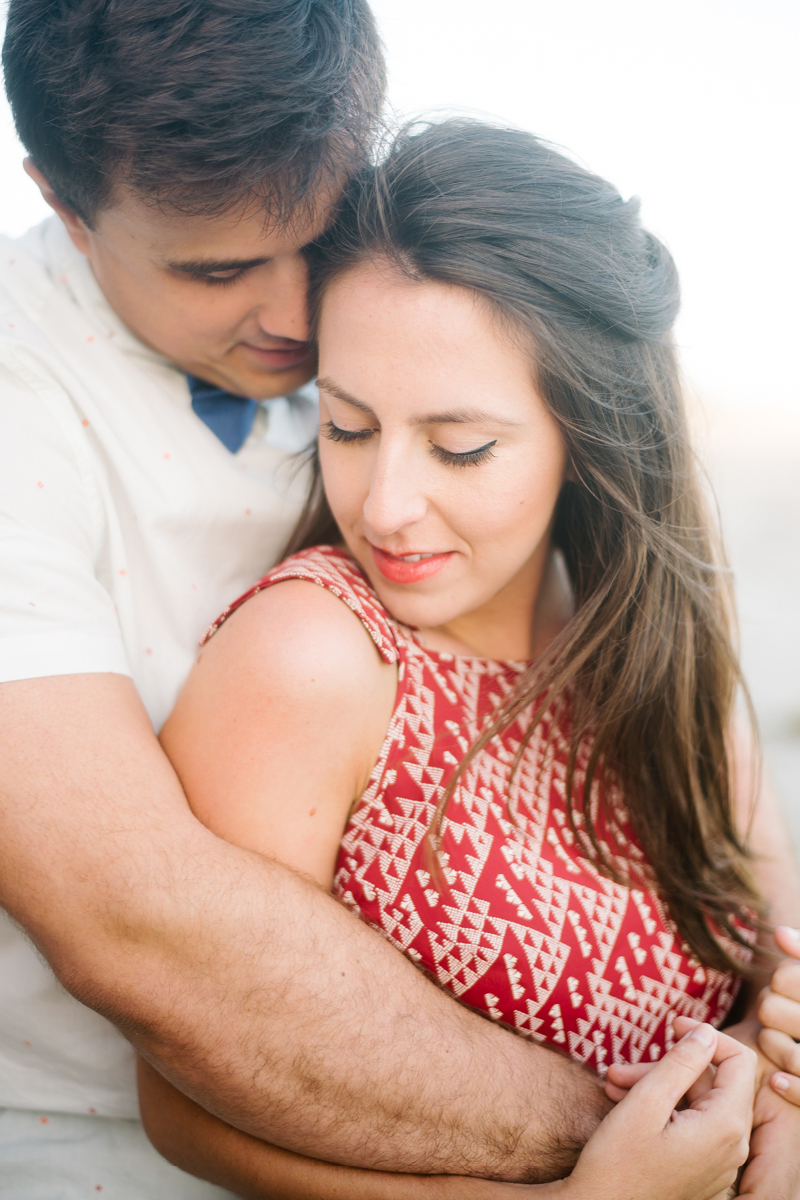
[(515, 920)]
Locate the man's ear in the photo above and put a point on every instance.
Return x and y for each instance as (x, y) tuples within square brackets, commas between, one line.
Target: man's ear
[(73, 223)]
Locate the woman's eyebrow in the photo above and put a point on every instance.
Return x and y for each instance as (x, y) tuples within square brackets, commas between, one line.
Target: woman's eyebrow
[(464, 416), (333, 389), (456, 416)]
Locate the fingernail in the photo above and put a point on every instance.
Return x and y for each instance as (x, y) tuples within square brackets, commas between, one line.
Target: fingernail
[(780, 1082), (794, 934), (705, 1034)]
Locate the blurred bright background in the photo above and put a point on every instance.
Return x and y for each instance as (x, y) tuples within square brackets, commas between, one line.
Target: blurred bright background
[(694, 106)]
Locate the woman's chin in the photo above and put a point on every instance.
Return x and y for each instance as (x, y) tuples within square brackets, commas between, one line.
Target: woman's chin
[(426, 604), (410, 605)]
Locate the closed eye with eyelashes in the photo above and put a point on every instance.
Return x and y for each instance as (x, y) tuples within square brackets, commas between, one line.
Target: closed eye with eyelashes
[(450, 458)]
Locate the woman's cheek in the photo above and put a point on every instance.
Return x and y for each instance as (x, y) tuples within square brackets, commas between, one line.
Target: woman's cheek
[(343, 477), (501, 503), (512, 518)]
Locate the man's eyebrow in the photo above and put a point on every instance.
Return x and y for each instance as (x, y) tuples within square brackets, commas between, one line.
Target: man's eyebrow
[(207, 266), (456, 416)]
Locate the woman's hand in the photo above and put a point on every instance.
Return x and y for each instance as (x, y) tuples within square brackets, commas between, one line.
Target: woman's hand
[(770, 1030), (773, 1171), (779, 1014), (645, 1147)]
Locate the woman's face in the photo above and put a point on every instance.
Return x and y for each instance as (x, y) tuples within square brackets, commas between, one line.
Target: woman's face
[(442, 464)]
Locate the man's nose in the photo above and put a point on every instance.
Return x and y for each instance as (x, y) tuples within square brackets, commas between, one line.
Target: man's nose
[(283, 311), (396, 498)]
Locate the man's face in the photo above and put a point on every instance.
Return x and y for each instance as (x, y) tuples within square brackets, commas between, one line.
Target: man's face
[(221, 297)]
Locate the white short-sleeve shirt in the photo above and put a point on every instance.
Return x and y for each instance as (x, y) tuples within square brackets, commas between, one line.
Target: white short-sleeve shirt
[(126, 526)]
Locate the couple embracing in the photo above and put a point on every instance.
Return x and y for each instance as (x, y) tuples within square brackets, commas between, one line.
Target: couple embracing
[(459, 742)]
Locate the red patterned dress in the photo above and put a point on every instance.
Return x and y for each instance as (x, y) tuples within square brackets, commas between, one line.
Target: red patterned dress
[(527, 931)]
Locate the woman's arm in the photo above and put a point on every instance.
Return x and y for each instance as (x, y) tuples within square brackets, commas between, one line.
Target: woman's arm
[(280, 723)]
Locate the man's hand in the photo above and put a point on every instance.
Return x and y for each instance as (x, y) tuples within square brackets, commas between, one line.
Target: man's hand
[(774, 1022), (779, 1014), (773, 1170), (762, 825)]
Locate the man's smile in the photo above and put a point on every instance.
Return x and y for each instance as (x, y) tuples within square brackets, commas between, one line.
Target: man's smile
[(280, 355)]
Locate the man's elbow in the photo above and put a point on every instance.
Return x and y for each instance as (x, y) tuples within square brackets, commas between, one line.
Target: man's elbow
[(125, 983)]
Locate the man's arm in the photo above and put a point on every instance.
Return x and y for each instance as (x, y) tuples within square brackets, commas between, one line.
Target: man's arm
[(190, 1138), (643, 1149), (250, 988)]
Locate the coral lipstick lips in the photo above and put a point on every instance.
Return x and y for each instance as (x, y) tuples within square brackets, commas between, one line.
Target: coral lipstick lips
[(410, 568)]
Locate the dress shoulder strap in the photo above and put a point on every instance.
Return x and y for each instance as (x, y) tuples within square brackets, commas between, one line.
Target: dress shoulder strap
[(337, 572)]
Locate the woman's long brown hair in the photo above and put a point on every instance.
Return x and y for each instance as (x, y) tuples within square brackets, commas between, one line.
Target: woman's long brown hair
[(648, 662)]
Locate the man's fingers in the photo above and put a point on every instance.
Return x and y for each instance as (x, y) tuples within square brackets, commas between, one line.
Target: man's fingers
[(699, 1088), (625, 1075), (779, 1012), (787, 1086), (783, 1050), (785, 1053), (788, 940), (732, 1081), (729, 1050), (786, 979)]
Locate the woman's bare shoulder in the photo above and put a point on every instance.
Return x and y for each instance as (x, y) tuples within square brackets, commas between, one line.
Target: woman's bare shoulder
[(282, 720), (296, 630)]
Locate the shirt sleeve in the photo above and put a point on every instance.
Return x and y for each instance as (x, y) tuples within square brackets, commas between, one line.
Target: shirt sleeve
[(56, 617)]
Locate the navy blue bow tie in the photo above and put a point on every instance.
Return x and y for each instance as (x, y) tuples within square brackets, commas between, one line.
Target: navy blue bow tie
[(229, 417)]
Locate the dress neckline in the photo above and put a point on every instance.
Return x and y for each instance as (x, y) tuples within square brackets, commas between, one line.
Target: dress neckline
[(517, 665)]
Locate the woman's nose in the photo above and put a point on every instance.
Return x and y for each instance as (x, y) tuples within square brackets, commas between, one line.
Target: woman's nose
[(396, 498)]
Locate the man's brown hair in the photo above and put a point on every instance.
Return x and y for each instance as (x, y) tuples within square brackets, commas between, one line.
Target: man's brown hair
[(193, 103)]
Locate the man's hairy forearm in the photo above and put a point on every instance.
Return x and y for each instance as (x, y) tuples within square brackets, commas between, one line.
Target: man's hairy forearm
[(190, 1138), (252, 990)]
